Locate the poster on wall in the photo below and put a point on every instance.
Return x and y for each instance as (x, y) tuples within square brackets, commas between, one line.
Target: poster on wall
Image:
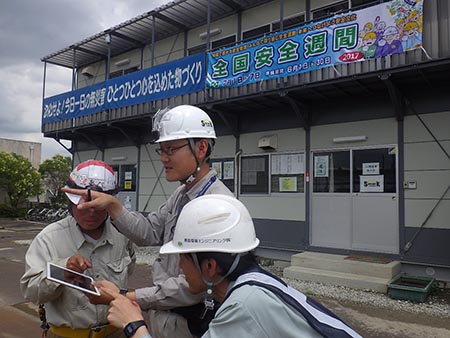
[(288, 184), (287, 164), (228, 170), (372, 168), (127, 203), (217, 166), (371, 183), (321, 166)]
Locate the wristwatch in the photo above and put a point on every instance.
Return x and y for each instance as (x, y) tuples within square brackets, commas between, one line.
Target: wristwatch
[(132, 327), (123, 291)]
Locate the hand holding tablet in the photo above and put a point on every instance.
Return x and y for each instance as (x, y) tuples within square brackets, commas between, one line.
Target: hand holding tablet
[(71, 278)]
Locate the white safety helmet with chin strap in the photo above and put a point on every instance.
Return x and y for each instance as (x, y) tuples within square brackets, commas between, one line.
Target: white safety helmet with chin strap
[(93, 174), (184, 122), (213, 223), (181, 122)]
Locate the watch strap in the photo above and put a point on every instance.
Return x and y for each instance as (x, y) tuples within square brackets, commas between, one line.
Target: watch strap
[(132, 327)]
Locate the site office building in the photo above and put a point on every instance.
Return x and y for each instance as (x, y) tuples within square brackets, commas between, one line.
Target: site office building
[(340, 157)]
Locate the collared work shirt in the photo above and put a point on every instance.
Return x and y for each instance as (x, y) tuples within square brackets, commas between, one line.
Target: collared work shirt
[(254, 312), (169, 289), (112, 258), (259, 305)]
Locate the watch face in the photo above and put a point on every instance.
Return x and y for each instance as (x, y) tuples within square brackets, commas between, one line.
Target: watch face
[(132, 327), (128, 330)]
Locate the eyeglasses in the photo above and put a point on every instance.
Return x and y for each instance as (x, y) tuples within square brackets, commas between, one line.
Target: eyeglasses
[(169, 150)]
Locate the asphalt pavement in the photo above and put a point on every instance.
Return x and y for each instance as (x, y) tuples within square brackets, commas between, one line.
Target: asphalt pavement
[(18, 318)]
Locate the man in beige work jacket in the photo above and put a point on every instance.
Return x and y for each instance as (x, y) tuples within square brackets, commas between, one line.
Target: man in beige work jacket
[(186, 137)]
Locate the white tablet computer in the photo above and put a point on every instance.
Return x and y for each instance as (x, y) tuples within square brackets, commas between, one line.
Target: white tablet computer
[(71, 278)]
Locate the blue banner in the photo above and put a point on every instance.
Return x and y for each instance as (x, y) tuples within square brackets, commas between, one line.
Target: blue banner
[(171, 79), (377, 31)]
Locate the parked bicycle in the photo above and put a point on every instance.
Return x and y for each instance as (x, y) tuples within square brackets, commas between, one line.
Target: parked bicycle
[(43, 214)]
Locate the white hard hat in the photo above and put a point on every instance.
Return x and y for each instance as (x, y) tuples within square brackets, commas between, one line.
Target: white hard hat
[(213, 223), (93, 174), (181, 122)]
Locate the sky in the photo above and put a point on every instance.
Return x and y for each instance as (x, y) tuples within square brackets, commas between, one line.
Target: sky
[(32, 29)]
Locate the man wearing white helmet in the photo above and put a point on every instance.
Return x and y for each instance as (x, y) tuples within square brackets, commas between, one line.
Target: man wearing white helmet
[(215, 237), (85, 242), (186, 136)]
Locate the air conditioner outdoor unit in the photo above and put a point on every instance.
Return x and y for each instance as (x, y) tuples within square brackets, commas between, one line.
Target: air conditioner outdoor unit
[(269, 142), (88, 71)]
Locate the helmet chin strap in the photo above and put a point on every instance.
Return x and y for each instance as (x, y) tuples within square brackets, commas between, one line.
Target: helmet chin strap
[(209, 300), (192, 177)]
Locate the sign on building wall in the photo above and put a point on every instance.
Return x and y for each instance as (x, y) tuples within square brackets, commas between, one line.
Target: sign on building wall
[(372, 183), (282, 164), (374, 32), (171, 79), (372, 168), (228, 170), (217, 166), (321, 166)]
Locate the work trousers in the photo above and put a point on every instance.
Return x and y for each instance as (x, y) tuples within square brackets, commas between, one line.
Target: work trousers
[(117, 334), (166, 324)]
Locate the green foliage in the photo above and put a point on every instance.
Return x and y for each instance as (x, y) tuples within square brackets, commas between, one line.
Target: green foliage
[(7, 211), (55, 172), (18, 178)]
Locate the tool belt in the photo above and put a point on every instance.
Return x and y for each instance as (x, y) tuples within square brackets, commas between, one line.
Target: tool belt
[(99, 331), (197, 320)]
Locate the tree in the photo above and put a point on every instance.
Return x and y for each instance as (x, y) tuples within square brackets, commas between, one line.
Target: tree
[(18, 178), (54, 173)]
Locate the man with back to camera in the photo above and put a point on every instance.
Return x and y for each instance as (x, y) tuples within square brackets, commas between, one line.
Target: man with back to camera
[(215, 238), (186, 138), (85, 242)]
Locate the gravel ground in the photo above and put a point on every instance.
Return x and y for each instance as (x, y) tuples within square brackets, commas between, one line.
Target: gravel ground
[(437, 305)]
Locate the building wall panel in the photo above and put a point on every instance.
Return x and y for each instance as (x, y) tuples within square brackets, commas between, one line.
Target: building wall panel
[(378, 132)]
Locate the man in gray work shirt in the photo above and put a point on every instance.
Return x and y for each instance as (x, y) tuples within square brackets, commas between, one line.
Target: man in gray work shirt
[(186, 137), (86, 242)]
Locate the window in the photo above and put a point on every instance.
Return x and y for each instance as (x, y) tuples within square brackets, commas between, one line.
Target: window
[(341, 7), (122, 72), (332, 172), (289, 22), (225, 171), (374, 170), (224, 42), (255, 174), (330, 10), (125, 176), (287, 173), (197, 49), (255, 32), (360, 4)]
